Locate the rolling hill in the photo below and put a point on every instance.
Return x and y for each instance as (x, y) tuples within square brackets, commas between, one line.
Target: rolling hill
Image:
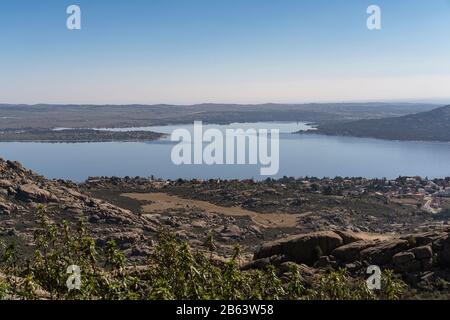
[(431, 125)]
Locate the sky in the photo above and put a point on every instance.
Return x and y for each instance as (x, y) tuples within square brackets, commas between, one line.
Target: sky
[(224, 51)]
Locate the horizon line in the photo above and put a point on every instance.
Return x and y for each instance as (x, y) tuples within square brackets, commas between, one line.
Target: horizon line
[(433, 101)]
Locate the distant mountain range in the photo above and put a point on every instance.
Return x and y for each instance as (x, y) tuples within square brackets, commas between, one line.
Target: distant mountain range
[(431, 125)]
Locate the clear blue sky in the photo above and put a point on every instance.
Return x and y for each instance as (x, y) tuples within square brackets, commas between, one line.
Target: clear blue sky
[(243, 51)]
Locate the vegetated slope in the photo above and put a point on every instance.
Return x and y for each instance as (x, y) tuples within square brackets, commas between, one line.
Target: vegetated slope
[(432, 125), (76, 135)]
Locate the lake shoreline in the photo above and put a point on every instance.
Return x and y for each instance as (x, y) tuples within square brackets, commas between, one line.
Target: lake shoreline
[(319, 133)]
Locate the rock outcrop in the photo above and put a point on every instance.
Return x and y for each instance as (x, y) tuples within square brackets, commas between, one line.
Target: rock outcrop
[(416, 257), (382, 252), (307, 248), (21, 190), (351, 252)]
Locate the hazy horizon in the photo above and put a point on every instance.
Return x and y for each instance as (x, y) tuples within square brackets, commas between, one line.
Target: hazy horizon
[(437, 102)]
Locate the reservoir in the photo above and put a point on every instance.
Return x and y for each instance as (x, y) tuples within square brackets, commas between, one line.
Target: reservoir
[(300, 155)]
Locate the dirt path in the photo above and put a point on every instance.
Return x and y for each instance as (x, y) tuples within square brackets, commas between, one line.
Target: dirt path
[(163, 201)]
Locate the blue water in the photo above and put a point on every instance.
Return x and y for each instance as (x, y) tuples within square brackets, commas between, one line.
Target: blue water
[(300, 155)]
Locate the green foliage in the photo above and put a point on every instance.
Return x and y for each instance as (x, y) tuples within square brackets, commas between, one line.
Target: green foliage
[(337, 286), (391, 287), (5, 290), (173, 271)]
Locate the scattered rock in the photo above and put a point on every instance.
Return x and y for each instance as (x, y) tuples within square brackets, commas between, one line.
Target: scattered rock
[(406, 262), (5, 184), (352, 251), (444, 254), (349, 237), (31, 192), (424, 252), (325, 262), (256, 264), (403, 257), (305, 248), (381, 253)]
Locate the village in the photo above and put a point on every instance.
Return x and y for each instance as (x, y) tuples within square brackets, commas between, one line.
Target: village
[(308, 203)]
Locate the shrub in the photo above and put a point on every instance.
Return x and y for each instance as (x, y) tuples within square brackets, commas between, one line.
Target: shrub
[(173, 271)]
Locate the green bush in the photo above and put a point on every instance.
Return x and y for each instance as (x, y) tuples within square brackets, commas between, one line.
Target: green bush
[(173, 271)]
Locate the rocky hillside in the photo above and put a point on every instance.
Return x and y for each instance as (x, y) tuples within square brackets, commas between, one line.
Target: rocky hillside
[(21, 190), (432, 125)]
